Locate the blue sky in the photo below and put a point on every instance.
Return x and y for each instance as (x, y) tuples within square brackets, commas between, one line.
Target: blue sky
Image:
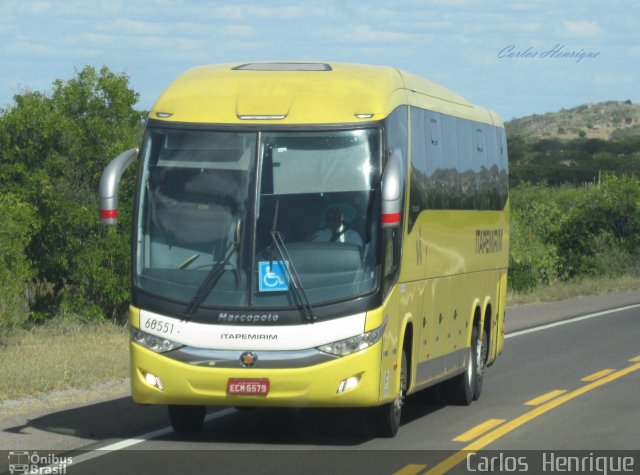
[(464, 45)]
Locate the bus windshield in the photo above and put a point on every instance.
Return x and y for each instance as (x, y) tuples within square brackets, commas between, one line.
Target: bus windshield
[(211, 197)]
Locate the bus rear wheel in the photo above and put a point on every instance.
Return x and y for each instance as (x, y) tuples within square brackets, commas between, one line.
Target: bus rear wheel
[(388, 417), (186, 418), (461, 390), (481, 363)]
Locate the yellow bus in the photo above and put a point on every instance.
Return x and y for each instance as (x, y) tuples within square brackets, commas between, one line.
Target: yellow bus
[(313, 235)]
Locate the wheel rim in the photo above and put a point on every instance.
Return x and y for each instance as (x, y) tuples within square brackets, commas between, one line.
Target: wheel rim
[(481, 353), (470, 369), (399, 401)]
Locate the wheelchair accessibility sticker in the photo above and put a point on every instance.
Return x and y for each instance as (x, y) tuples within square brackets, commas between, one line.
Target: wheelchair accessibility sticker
[(273, 276)]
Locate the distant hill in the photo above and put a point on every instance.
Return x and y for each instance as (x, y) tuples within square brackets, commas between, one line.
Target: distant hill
[(605, 120)]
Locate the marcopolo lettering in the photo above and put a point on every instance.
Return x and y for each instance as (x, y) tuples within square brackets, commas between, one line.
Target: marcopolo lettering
[(488, 241), (248, 318)]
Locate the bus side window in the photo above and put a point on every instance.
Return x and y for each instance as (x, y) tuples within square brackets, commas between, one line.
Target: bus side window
[(391, 251), (418, 176)]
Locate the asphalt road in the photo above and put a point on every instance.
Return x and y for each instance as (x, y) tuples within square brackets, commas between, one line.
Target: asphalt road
[(573, 385)]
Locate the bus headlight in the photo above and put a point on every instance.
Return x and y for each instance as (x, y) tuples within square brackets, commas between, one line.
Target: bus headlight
[(355, 343), (154, 343)]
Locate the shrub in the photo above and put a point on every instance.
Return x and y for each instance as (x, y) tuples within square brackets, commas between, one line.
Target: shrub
[(604, 222), (53, 150), (533, 257), (19, 223), (574, 232)]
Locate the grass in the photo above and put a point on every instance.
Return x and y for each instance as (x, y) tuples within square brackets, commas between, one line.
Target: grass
[(61, 355), (581, 288), (67, 355)]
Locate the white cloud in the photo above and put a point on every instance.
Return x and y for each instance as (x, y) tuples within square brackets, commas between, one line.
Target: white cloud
[(94, 38), (460, 38), (23, 47), (31, 8), (240, 31), (6, 28), (450, 3), (523, 27), (244, 12), (522, 6), (368, 34), (281, 13), (580, 29), (613, 80), (137, 27)]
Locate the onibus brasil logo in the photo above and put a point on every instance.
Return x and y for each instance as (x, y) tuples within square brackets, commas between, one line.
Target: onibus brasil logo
[(23, 461)]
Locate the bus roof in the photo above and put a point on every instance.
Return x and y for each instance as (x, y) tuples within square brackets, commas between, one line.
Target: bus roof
[(304, 93)]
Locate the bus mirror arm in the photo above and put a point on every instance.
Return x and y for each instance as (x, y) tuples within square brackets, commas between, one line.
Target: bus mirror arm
[(110, 183), (392, 185)]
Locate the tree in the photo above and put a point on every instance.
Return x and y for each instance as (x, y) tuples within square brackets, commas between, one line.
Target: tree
[(19, 223), (602, 226), (52, 152)]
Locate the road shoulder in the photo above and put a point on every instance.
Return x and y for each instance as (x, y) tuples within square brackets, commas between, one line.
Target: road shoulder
[(532, 315)]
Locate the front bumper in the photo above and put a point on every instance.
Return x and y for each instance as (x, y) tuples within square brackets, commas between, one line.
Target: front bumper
[(309, 386)]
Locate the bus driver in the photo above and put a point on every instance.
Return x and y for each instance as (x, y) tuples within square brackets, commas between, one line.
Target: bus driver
[(336, 230)]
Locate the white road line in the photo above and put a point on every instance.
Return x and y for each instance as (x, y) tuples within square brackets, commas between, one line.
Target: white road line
[(570, 320), (123, 444)]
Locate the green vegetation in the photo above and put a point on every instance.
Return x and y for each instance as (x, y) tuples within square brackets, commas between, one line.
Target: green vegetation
[(56, 257), (45, 358), (585, 287), (19, 224), (575, 202), (561, 234), (578, 161)]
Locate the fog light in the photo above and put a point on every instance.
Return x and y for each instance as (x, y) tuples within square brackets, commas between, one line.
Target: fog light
[(153, 380), (348, 384)]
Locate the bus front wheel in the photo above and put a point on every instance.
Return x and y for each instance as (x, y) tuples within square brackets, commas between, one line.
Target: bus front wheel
[(388, 417), (187, 418)]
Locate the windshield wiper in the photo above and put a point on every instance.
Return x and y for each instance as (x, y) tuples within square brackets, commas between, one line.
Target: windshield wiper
[(296, 283), (210, 281)]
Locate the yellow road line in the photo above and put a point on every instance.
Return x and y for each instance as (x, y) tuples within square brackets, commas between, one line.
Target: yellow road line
[(478, 430), (411, 469), (450, 462), (545, 397), (635, 360), (598, 375)]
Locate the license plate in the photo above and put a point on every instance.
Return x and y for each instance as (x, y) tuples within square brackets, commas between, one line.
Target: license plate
[(258, 387)]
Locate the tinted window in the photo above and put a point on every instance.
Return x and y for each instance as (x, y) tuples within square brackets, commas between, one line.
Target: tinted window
[(456, 164)]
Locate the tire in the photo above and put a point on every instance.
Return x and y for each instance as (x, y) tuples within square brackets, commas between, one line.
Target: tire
[(186, 418), (481, 363), (462, 389), (388, 417)]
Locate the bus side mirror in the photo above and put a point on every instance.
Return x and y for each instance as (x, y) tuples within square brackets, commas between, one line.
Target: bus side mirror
[(110, 183), (392, 182)]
